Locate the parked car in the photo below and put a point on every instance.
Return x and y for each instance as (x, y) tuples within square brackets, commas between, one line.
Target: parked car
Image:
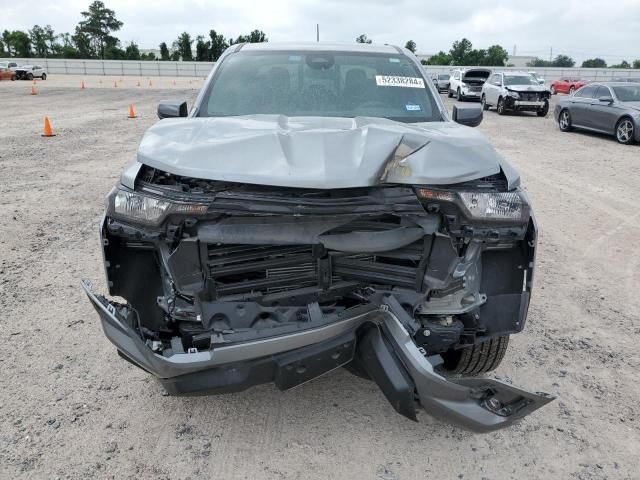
[(6, 74), (442, 82), (9, 65), (538, 78), (466, 84), (610, 107), (517, 91), (29, 72), (290, 224), (566, 85)]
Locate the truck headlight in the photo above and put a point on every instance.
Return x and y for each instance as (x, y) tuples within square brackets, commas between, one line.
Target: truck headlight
[(483, 205), (513, 94), (134, 206)]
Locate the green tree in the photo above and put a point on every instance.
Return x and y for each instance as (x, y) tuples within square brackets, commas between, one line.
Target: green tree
[(148, 56), (563, 61), (460, 51), (39, 41), (202, 49), (112, 50), (363, 39), (257, 36), (217, 45), (99, 21), (594, 63), (441, 58), (3, 52), (496, 56), (164, 52), (18, 43), (538, 62), (411, 45), (6, 41), (623, 64), (82, 42), (132, 51), (175, 56), (636, 64), (183, 46)]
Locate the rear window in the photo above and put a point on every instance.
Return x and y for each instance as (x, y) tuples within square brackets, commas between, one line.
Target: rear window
[(329, 84)]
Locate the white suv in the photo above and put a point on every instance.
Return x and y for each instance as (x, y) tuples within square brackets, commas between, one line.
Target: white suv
[(465, 84), (29, 72)]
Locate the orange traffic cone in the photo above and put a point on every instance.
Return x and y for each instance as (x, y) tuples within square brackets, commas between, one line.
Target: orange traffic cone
[(132, 114), (47, 128), (33, 90), (82, 85)]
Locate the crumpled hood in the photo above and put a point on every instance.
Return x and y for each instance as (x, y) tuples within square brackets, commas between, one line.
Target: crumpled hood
[(320, 152), (527, 88)]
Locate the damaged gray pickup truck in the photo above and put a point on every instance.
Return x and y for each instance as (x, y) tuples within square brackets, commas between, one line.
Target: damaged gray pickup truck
[(318, 207)]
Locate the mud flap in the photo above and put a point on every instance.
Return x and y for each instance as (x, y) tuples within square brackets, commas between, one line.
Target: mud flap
[(479, 404)]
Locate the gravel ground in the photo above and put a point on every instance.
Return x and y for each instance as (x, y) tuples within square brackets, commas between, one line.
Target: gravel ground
[(70, 408)]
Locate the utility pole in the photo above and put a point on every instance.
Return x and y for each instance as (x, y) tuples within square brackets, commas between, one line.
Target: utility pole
[(317, 32)]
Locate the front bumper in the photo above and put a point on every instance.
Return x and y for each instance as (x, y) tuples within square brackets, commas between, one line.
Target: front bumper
[(388, 354)]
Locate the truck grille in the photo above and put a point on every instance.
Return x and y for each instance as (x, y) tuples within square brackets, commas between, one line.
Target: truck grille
[(263, 269), (530, 97)]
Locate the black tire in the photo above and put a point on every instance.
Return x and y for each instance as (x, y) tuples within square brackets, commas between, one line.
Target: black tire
[(480, 358), (564, 121), (13, 78), (44, 76), (483, 102), (500, 108), (625, 131), (544, 111), (553, 90), (29, 76), (459, 95), (450, 94)]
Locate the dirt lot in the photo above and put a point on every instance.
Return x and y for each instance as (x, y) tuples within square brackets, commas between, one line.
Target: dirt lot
[(70, 408)]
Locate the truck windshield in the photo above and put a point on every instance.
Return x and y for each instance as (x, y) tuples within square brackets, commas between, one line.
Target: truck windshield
[(324, 84)]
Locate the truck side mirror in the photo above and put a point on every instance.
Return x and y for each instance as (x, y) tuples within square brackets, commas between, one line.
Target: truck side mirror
[(172, 109), (470, 116)]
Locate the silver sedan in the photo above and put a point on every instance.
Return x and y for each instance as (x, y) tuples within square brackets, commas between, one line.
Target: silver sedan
[(612, 108)]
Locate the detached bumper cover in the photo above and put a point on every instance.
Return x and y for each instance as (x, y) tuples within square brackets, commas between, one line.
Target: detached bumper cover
[(475, 403)]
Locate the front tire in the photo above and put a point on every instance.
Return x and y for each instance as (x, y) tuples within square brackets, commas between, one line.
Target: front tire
[(625, 131), (459, 96), (450, 94), (44, 76), (476, 359), (564, 121), (483, 102), (29, 76), (544, 111), (500, 108)]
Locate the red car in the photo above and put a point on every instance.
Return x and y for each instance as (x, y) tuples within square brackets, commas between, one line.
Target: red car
[(6, 74), (566, 85)]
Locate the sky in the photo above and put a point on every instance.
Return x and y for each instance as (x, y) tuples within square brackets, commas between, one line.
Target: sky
[(579, 28)]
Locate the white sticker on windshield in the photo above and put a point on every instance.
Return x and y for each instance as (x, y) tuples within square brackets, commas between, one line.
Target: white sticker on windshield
[(393, 81), (412, 108)]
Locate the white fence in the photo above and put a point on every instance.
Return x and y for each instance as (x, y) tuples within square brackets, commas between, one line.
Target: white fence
[(202, 69), (119, 67)]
